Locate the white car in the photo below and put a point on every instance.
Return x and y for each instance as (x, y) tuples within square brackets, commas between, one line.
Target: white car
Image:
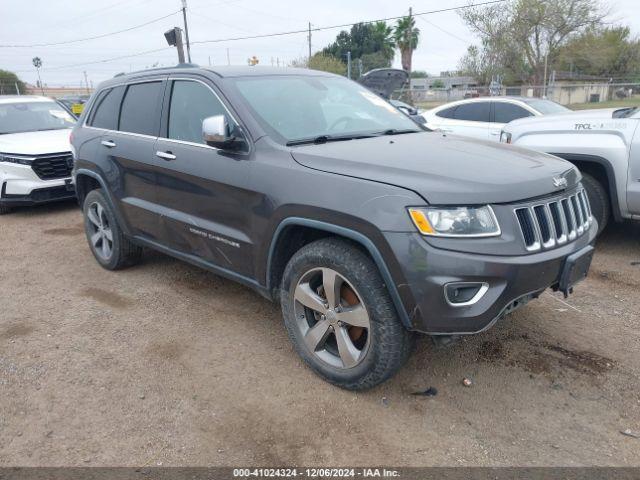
[(35, 153), (484, 117)]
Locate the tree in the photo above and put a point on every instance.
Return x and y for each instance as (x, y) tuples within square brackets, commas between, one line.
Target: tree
[(437, 84), (607, 51), (371, 43), (419, 74), (8, 82), (320, 61), (519, 35), (406, 36)]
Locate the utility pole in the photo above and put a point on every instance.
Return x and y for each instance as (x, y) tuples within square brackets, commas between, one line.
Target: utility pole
[(349, 64), (186, 28), (228, 58), (544, 83), (86, 81), (209, 60), (309, 42)]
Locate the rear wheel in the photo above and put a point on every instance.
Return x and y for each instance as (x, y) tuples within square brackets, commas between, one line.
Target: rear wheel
[(340, 317), (111, 248), (598, 200)]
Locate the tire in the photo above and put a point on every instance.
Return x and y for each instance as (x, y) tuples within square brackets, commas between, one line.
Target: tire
[(598, 200), (375, 352), (4, 209), (112, 249)]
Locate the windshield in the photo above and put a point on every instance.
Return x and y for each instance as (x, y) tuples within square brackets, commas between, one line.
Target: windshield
[(33, 116), (546, 107), (302, 107)]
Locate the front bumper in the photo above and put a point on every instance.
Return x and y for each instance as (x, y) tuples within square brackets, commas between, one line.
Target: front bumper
[(39, 196), (511, 280), (20, 186)]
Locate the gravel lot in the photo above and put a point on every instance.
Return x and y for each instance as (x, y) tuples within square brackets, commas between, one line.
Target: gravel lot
[(167, 364)]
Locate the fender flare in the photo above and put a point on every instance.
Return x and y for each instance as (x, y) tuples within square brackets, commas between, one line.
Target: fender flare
[(107, 194), (611, 177), (352, 235)]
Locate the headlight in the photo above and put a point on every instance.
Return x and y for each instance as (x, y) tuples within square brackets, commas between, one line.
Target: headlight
[(8, 158), (505, 137), (456, 221)]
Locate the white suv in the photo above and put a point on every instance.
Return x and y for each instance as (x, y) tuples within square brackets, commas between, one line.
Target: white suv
[(35, 153), (484, 117)]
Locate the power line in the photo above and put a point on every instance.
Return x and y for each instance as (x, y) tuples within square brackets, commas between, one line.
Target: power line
[(318, 29), (445, 31), (66, 42), (139, 54)]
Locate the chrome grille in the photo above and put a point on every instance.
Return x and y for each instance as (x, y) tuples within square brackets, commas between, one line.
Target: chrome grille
[(554, 222)]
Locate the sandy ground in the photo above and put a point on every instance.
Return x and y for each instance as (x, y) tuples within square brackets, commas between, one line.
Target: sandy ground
[(167, 364)]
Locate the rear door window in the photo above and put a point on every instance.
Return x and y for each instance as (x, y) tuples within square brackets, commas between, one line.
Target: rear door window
[(505, 112), (447, 112), (107, 108), (139, 112), (474, 112)]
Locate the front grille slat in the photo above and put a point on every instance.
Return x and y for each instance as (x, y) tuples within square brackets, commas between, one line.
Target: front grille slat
[(545, 225), (52, 167)]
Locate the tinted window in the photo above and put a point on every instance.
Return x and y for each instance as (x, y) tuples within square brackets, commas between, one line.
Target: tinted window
[(447, 113), (546, 107), (139, 107), (505, 112), (473, 112), (191, 103), (106, 110)]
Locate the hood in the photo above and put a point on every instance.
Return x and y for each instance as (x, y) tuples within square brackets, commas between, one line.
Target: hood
[(384, 81), (578, 116), (36, 143), (444, 170)]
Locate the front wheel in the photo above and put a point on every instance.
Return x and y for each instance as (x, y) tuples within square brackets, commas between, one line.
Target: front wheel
[(340, 317), (598, 200)]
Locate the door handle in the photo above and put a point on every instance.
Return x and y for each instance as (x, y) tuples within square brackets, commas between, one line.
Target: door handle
[(108, 143), (166, 155)]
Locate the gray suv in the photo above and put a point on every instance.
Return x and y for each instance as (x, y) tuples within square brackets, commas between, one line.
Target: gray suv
[(317, 193)]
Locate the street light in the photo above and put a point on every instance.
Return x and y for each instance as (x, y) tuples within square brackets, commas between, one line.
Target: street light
[(37, 62), (174, 38)]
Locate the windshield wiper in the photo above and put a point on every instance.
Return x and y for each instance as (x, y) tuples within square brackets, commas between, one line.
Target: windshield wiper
[(395, 131), (325, 139)]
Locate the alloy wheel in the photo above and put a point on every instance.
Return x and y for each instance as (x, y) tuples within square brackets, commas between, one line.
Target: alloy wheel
[(101, 235), (332, 318)]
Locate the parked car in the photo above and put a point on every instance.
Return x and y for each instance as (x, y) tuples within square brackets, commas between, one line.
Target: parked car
[(484, 117), (35, 154), (604, 144), (317, 193), (74, 103), (385, 81)]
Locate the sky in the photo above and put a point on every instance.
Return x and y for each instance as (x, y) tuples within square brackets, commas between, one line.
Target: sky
[(444, 36)]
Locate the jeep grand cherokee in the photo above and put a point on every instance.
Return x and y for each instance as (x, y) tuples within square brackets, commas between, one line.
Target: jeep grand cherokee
[(317, 193)]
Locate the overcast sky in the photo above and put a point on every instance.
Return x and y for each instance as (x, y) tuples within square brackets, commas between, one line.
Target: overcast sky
[(444, 37)]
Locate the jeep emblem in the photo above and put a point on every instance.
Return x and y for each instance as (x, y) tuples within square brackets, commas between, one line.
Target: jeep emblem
[(559, 182)]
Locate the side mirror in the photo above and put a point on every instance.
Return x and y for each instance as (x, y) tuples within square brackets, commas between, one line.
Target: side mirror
[(216, 133)]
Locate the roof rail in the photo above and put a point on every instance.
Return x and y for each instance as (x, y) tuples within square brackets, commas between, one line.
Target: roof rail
[(180, 65)]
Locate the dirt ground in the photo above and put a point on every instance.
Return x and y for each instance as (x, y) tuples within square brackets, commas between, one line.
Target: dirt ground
[(167, 364)]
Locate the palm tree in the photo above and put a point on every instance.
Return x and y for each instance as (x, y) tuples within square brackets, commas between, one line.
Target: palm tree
[(406, 35), (384, 38)]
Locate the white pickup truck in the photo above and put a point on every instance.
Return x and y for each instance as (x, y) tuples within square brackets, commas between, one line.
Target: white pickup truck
[(605, 146)]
